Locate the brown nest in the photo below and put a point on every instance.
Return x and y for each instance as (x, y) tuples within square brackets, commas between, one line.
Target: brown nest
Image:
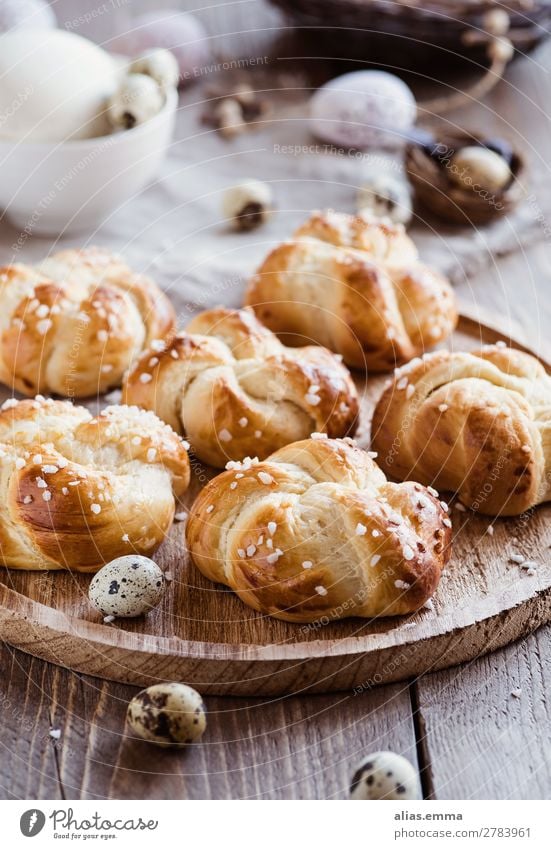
[(435, 191)]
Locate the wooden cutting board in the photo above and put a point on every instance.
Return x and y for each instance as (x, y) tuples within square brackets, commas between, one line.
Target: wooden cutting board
[(204, 635)]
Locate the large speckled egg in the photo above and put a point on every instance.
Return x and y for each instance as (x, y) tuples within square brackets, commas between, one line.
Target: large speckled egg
[(363, 109), (181, 33), (26, 14), (169, 714), (127, 586), (385, 775)]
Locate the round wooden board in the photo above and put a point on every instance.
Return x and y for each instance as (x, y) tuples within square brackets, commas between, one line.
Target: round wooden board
[(203, 635)]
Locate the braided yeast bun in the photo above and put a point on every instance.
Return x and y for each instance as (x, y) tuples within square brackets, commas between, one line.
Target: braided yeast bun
[(356, 286), (79, 491), (316, 530), (386, 242), (72, 325), (230, 385), (478, 424)]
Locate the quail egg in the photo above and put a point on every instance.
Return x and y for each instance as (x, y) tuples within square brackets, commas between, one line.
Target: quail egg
[(475, 167), (158, 64), (385, 197), (247, 205), (127, 586), (385, 775), (168, 715), (137, 99)]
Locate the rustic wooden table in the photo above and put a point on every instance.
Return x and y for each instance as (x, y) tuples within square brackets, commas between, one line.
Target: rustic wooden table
[(469, 737)]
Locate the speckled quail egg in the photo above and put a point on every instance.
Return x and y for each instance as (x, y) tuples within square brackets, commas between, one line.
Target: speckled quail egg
[(168, 715), (127, 586), (385, 775), (385, 197), (158, 64), (137, 99), (247, 205), (473, 167)]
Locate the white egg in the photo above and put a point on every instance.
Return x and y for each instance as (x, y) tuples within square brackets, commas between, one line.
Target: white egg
[(127, 586), (385, 775), (54, 86), (383, 196), (159, 64), (181, 33), (138, 99), (363, 109), (168, 714), (35, 14)]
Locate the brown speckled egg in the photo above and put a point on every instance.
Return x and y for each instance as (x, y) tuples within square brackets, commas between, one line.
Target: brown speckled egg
[(127, 586), (168, 715), (385, 775)]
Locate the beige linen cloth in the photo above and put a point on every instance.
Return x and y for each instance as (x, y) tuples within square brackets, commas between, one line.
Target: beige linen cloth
[(174, 230)]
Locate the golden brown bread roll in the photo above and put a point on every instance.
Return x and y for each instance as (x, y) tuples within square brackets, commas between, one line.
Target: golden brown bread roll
[(72, 325), (356, 286), (230, 385), (79, 491), (478, 424), (316, 531)]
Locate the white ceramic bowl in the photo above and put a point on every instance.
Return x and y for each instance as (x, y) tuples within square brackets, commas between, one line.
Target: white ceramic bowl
[(61, 187)]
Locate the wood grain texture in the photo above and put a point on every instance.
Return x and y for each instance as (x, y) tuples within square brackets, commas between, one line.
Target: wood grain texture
[(482, 741), (479, 741), (28, 767), (289, 748), (516, 286), (204, 635)]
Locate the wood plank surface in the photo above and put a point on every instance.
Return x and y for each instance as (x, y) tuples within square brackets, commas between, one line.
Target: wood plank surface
[(487, 725), (476, 739), (28, 767), (206, 636), (292, 748), (480, 741)]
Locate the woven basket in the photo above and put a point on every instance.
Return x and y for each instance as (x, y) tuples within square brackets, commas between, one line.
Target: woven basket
[(410, 33), (435, 192)]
